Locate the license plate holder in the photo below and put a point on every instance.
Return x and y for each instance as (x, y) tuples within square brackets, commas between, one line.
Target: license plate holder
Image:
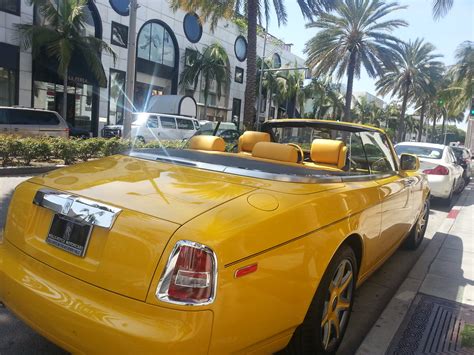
[(69, 235)]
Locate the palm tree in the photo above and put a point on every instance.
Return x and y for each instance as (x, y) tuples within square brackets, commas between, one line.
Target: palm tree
[(441, 8), (463, 71), (64, 36), (211, 66), (415, 68), (254, 10), (358, 34)]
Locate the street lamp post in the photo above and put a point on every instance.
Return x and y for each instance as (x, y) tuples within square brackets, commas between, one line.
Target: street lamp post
[(131, 58), (261, 77)]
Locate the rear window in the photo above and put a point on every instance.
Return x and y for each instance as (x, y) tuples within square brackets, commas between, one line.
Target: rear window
[(422, 152), (30, 117), (184, 124)]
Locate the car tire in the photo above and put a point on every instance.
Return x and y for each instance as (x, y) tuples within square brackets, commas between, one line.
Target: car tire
[(417, 233), (314, 335)]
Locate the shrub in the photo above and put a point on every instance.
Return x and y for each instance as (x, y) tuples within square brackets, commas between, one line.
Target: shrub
[(28, 149), (9, 148), (90, 148), (65, 149), (115, 146)]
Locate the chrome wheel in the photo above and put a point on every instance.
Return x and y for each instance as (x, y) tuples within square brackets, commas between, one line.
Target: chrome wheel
[(337, 304), (422, 221)]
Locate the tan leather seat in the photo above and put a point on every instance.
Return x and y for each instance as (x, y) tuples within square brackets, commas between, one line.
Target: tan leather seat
[(208, 143), (248, 140), (328, 153), (275, 151)]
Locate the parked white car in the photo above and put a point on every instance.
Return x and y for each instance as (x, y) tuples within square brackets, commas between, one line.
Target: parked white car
[(440, 165), (149, 127)]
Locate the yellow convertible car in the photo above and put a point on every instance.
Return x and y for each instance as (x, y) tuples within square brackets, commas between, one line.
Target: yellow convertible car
[(203, 251)]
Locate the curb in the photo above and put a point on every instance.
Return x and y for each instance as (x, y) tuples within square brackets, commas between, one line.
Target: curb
[(27, 170), (378, 340)]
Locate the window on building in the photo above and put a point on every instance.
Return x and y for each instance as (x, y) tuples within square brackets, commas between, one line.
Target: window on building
[(240, 48), (239, 75), (116, 96), (192, 27), (119, 35), (155, 45), (236, 108), (10, 6), (8, 87)]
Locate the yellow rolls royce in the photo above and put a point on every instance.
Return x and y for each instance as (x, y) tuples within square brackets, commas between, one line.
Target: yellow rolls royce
[(206, 251)]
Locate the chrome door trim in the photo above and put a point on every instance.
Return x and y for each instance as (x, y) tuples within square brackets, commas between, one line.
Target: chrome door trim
[(78, 209)]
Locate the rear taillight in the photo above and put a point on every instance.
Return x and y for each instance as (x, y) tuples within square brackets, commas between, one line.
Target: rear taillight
[(439, 170), (190, 276)]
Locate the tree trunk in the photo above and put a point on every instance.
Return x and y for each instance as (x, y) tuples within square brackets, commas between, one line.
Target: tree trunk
[(443, 128), (422, 118), (350, 83), (433, 131), (250, 86), (401, 123), (64, 109)]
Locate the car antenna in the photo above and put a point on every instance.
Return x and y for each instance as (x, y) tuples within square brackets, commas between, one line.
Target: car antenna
[(217, 128)]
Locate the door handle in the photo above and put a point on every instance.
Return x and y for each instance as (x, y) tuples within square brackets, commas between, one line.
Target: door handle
[(409, 182)]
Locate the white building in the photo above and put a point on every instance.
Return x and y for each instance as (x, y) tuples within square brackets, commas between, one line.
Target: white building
[(163, 38), (369, 98)]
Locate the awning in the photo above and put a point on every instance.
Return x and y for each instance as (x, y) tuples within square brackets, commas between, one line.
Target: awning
[(46, 69)]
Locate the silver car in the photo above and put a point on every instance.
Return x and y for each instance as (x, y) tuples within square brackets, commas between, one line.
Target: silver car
[(32, 122)]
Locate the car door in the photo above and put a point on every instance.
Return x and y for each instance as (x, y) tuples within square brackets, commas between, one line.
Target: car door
[(185, 128), (23, 122), (168, 128), (454, 167), (395, 191)]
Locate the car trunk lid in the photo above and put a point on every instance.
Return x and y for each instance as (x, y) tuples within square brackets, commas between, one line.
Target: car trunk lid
[(149, 202)]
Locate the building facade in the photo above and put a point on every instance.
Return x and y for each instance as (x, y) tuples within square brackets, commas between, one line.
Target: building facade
[(164, 38)]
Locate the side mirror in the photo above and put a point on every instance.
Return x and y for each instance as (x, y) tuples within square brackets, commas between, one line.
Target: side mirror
[(409, 162)]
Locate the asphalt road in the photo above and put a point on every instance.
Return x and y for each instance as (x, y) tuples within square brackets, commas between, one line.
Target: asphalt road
[(371, 297)]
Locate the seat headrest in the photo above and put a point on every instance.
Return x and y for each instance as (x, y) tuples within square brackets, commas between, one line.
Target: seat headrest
[(249, 138), (275, 151), (210, 143), (329, 151)]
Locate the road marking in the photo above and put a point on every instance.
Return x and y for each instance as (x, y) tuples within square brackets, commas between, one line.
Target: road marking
[(453, 214)]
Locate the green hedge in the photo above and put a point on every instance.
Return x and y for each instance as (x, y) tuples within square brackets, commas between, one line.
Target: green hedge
[(23, 151)]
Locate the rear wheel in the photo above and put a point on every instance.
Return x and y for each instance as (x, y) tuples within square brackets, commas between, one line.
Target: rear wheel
[(328, 315), (417, 233)]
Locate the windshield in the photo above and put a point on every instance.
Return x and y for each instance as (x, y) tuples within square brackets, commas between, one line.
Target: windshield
[(316, 150), (421, 152)]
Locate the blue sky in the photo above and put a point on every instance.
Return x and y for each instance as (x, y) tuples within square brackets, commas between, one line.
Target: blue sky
[(446, 34)]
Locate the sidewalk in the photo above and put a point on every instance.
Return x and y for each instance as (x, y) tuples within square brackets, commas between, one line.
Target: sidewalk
[(433, 308)]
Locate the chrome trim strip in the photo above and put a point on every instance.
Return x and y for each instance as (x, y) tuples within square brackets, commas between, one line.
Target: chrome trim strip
[(258, 173), (76, 208), (161, 293)]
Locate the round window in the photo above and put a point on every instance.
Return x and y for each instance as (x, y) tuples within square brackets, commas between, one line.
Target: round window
[(240, 48), (192, 27), (276, 60), (120, 6)]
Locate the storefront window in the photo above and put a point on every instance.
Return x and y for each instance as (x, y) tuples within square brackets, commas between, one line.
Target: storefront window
[(8, 87), (116, 96)]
